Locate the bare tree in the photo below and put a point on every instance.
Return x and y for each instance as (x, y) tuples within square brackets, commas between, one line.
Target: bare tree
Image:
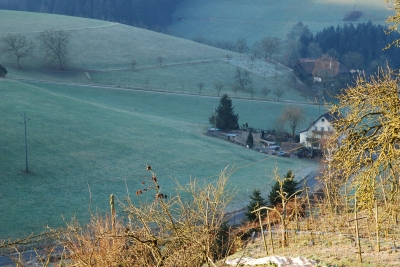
[(394, 22), (365, 144), (133, 63), (235, 88), (242, 78), (265, 91), (227, 45), (228, 57), (200, 85), (353, 60), (218, 86), (314, 50), (55, 45), (160, 60), (267, 46), (241, 45), (251, 90), (252, 59), (17, 45), (294, 116), (279, 92), (279, 125)]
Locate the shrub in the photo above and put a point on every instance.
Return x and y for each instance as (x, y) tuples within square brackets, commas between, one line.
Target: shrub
[(3, 71), (256, 201), (162, 231), (290, 186)]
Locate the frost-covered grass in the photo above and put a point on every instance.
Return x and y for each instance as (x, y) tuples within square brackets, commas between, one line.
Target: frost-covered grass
[(103, 138), (102, 53)]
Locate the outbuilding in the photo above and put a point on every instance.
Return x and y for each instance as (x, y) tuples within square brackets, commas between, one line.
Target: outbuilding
[(321, 128)]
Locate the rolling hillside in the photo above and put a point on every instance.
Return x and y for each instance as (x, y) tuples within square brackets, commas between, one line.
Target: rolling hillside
[(230, 19), (102, 53), (82, 136)]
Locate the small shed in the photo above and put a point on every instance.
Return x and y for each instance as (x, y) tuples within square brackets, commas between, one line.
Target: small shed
[(231, 137), (213, 131), (291, 147), (269, 149), (265, 143)]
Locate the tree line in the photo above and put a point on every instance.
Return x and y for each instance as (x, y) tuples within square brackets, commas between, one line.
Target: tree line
[(151, 14), (263, 48), (54, 44), (357, 47)]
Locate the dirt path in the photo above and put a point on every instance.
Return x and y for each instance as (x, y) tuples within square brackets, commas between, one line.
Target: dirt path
[(153, 90)]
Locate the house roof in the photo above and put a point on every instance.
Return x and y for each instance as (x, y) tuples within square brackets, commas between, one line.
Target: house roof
[(331, 117), (290, 147), (307, 64)]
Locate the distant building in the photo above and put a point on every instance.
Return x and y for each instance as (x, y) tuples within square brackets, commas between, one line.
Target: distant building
[(319, 129), (305, 67), (213, 131)]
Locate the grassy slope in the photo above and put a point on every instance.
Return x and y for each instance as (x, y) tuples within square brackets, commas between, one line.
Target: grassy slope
[(101, 53), (231, 19), (102, 138), (80, 136)]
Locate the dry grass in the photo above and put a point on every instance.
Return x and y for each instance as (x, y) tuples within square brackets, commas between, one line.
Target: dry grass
[(329, 240)]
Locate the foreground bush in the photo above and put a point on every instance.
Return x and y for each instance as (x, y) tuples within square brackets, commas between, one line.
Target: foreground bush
[(162, 231)]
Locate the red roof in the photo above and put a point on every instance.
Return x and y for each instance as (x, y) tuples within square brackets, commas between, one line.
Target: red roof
[(307, 64)]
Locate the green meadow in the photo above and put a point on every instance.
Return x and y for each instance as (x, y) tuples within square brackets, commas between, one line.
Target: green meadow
[(102, 139), (90, 134), (230, 19)]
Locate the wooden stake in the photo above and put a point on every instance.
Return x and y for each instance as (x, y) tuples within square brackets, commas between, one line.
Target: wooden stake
[(295, 207), (113, 215), (345, 203), (270, 233), (378, 246), (309, 206), (262, 232), (357, 232)]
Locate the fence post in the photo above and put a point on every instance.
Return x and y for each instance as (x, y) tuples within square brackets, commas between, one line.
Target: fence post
[(113, 215), (356, 222), (270, 233), (378, 246), (262, 232)]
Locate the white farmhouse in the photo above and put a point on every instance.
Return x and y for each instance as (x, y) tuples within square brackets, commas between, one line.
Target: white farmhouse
[(319, 129)]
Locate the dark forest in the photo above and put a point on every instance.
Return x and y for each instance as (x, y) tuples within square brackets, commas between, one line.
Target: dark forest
[(149, 14), (358, 46)]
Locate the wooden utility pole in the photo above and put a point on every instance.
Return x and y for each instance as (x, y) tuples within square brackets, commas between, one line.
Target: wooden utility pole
[(26, 144)]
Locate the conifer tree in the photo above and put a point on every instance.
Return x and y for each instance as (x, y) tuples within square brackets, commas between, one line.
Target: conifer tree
[(290, 186), (256, 201), (250, 141), (226, 118)]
